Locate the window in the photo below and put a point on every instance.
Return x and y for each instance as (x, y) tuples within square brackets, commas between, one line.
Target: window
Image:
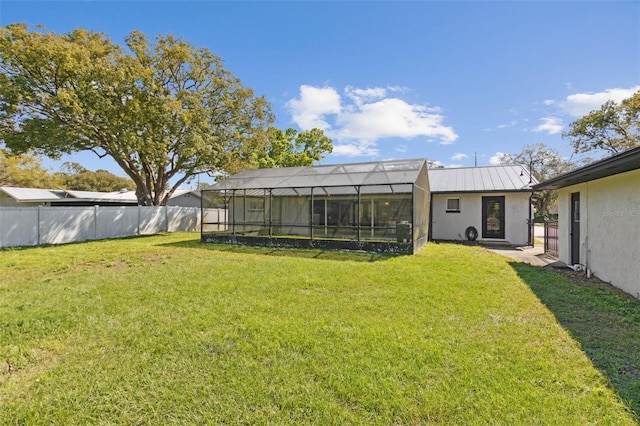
[(256, 205), (453, 205)]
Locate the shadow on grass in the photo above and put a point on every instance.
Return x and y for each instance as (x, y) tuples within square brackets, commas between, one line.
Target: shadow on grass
[(321, 254), (83, 242), (603, 319)]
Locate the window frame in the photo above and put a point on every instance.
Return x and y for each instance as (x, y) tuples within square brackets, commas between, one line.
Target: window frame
[(256, 204), (452, 210)]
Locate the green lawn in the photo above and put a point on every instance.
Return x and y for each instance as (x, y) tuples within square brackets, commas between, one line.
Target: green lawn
[(166, 330)]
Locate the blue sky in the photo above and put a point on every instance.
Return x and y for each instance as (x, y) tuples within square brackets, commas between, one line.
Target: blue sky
[(390, 80)]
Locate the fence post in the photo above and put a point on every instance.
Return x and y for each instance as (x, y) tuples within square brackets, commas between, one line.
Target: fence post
[(39, 225), (95, 222)]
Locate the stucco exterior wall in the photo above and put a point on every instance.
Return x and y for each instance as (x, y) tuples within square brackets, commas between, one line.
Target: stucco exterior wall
[(452, 226), (609, 229), (185, 200)]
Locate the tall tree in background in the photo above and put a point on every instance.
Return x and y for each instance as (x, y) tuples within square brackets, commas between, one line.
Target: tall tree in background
[(291, 148), (76, 177), (613, 128), (545, 163), (25, 170), (164, 112)]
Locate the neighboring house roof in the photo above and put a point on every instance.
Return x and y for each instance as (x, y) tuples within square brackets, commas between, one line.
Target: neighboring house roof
[(31, 194), (180, 192), (391, 172), (119, 196), (59, 196), (619, 163), (481, 179)]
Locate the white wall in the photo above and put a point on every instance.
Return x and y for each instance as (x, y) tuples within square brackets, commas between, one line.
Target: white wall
[(30, 226), (185, 200), (609, 229), (452, 226)]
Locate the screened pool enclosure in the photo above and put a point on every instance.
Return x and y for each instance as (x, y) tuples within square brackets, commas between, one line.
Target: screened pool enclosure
[(378, 206)]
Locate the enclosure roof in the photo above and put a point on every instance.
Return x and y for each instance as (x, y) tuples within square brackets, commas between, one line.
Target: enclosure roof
[(620, 163), (481, 179), (374, 173)]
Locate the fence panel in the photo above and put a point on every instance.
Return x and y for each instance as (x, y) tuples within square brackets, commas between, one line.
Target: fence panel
[(153, 220), (183, 219), (116, 222), (30, 226), (18, 226), (60, 225)]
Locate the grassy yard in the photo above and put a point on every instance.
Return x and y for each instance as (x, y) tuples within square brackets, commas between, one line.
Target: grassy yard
[(165, 330)]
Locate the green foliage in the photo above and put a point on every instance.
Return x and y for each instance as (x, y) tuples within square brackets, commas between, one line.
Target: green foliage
[(545, 163), (80, 179), (289, 148), (166, 330), (163, 111), (613, 128), (26, 171)]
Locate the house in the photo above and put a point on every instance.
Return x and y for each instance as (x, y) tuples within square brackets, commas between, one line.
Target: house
[(185, 198), (488, 204), (376, 206), (30, 197), (599, 219)]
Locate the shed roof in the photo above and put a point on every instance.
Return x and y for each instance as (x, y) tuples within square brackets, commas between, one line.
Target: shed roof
[(509, 178), (392, 172), (620, 163)]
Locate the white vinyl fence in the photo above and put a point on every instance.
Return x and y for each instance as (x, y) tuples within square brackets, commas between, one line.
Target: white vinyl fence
[(31, 226)]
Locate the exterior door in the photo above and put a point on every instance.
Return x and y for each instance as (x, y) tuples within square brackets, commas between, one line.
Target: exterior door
[(493, 217), (575, 228)]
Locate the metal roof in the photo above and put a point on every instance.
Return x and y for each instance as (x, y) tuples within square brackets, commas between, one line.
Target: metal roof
[(392, 172), (481, 179), (32, 194), (119, 196), (620, 163)]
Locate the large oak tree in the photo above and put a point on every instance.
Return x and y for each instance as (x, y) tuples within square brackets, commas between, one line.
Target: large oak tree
[(164, 111), (613, 128)]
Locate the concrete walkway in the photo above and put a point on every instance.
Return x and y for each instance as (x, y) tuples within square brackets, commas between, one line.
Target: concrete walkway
[(532, 255)]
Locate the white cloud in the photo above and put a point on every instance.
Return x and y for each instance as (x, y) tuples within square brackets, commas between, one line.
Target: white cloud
[(458, 156), (393, 117), (315, 103), (549, 102), (355, 150), (581, 104), (362, 117), (495, 159), (551, 125), (362, 95), (512, 123)]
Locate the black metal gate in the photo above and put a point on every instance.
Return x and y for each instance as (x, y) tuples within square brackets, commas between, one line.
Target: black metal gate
[(551, 237)]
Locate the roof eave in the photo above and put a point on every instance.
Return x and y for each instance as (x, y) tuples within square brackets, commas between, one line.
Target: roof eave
[(620, 163)]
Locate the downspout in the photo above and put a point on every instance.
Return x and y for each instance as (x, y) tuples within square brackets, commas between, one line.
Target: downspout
[(532, 242), (587, 251), (430, 232), (530, 231)]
